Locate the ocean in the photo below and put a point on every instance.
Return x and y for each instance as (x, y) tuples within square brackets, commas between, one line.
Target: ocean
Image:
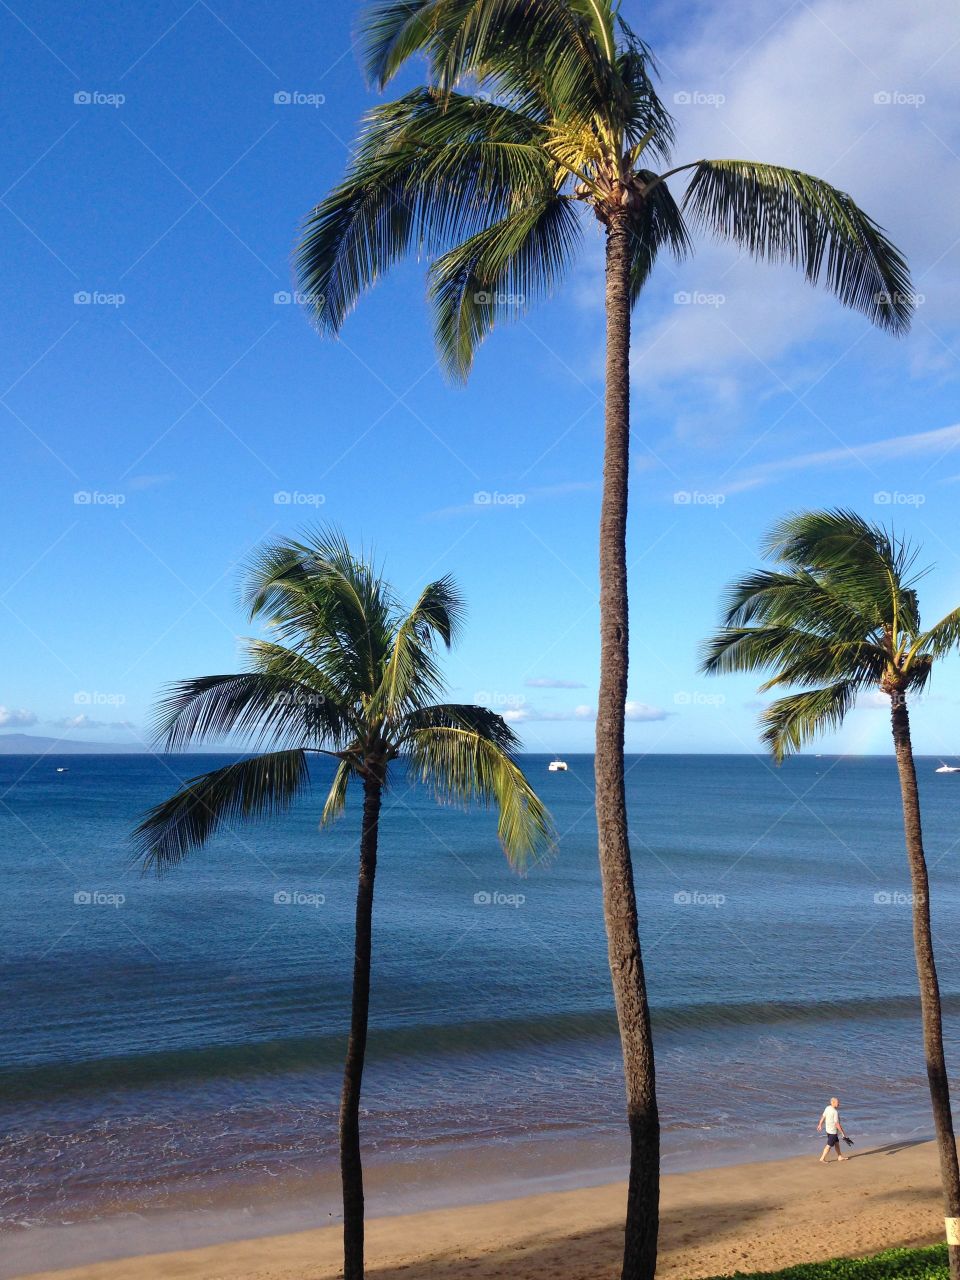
[(175, 1045)]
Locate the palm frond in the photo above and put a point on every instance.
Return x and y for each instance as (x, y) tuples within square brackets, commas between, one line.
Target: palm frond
[(470, 764), (411, 677), (787, 216), (260, 787), (798, 656), (567, 46), (251, 706), (497, 273), (334, 607), (791, 722), (337, 795), (657, 225), (940, 639), (429, 171)]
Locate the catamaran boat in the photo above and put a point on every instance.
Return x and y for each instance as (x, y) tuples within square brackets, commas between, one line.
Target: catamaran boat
[(948, 768), (557, 766)]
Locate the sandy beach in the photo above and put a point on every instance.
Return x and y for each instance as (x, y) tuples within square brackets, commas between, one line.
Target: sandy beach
[(715, 1221)]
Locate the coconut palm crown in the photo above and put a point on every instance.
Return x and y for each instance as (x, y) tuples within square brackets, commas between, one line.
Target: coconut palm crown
[(839, 616), (535, 108), (348, 675)]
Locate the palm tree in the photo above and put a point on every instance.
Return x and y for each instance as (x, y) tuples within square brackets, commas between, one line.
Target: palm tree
[(349, 676), (538, 112), (839, 616)]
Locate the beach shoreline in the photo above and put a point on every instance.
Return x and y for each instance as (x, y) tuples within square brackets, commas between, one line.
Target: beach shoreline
[(747, 1216)]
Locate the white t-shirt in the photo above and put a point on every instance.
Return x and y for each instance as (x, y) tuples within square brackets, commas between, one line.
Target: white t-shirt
[(831, 1118)]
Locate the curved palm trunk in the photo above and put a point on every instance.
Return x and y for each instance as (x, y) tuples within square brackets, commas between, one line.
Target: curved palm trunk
[(616, 869), (929, 985), (351, 1170)]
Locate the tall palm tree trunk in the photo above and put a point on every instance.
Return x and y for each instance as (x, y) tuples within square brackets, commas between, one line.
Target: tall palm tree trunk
[(929, 985), (351, 1169), (616, 869)]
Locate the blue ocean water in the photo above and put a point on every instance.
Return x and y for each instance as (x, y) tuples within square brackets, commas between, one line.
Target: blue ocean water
[(173, 1041)]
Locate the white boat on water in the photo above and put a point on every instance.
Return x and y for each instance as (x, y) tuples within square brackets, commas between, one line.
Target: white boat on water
[(557, 766), (948, 768), (61, 769)]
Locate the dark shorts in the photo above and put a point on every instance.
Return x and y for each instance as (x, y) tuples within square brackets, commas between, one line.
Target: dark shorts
[(833, 1139)]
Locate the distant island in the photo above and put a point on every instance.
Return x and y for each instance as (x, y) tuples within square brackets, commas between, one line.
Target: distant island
[(25, 744)]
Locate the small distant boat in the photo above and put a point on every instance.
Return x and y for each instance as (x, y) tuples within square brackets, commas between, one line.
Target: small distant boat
[(558, 766), (948, 768), (61, 769)]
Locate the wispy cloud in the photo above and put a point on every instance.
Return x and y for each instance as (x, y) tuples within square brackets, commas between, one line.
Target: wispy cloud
[(84, 722), (545, 682), (512, 499), (11, 717), (638, 712), (916, 444)]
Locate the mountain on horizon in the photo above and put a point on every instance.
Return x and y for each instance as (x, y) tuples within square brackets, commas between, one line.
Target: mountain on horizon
[(25, 744)]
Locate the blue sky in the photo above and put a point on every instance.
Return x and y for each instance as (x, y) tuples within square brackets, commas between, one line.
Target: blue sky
[(186, 392)]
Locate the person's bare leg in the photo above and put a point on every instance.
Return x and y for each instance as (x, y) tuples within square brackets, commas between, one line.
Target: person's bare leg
[(826, 1152)]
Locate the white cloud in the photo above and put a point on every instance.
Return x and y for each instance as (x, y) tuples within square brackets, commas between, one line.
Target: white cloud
[(638, 712), (915, 444), (83, 721), (544, 682), (642, 711), (799, 88), (11, 717)]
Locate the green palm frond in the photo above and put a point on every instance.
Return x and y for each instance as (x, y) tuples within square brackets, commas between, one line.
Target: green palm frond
[(333, 607), (411, 677), (657, 225), (868, 566), (799, 656), (430, 170), (567, 47), (253, 707), (260, 787), (798, 598), (940, 639), (787, 216), (497, 273), (791, 722), (393, 31), (841, 615), (337, 795), (470, 764)]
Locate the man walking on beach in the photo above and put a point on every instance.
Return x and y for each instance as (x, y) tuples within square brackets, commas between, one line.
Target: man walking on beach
[(830, 1120)]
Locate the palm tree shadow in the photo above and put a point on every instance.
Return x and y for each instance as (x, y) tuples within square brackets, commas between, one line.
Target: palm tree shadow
[(891, 1149), (582, 1254)]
